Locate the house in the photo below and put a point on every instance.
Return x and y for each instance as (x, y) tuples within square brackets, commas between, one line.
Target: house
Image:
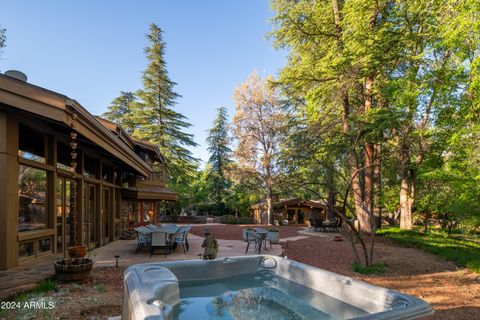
[(56, 159), (296, 211)]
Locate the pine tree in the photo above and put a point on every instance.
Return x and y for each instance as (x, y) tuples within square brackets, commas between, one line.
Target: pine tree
[(3, 39), (218, 141), (155, 118), (120, 111)]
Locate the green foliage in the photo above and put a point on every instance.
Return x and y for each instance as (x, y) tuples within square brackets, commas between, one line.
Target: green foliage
[(421, 60), (209, 209), (3, 38), (45, 286), (121, 110), (459, 250), (148, 114), (378, 268), (101, 288), (220, 157), (155, 117)]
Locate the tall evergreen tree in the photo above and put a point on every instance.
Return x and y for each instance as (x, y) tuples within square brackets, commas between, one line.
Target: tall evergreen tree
[(155, 117), (218, 146), (3, 39), (120, 111)]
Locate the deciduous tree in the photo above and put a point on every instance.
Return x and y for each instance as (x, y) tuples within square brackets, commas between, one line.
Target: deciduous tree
[(258, 127)]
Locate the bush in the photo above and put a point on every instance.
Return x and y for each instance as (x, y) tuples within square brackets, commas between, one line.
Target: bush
[(244, 220), (231, 219), (46, 285), (377, 268)]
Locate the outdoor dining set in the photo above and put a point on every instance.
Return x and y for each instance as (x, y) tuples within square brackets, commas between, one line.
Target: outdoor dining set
[(332, 225), (258, 237), (164, 238)]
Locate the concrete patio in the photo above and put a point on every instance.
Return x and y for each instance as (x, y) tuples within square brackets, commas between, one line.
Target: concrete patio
[(26, 277)]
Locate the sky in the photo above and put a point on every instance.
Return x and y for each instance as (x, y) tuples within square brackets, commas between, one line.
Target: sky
[(91, 50)]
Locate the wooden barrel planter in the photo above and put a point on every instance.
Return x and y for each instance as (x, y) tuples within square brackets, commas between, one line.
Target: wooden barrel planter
[(69, 270)]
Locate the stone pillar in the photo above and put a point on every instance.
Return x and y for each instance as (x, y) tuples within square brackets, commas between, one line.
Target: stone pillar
[(8, 191)]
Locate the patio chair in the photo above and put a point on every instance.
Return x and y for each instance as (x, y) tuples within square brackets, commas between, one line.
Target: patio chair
[(181, 238), (143, 238), (254, 238), (160, 242), (338, 225), (330, 225), (318, 224)]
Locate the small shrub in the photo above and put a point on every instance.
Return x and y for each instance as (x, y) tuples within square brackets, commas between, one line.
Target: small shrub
[(377, 268), (101, 288), (244, 220), (46, 285), (231, 219)]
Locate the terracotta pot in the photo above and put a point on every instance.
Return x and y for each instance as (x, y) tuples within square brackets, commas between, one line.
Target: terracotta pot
[(68, 270), (77, 251)]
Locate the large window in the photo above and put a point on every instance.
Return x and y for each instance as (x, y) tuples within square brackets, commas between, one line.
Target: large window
[(64, 157), (31, 144), (90, 169), (32, 197)]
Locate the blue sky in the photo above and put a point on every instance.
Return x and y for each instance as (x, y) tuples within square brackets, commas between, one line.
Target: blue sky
[(91, 50)]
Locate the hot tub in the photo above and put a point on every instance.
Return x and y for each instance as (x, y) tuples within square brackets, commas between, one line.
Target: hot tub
[(258, 287)]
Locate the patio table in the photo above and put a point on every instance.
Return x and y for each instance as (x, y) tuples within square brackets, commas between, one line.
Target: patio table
[(169, 230), (263, 239)]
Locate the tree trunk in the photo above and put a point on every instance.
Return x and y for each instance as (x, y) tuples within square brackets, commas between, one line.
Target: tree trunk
[(368, 151), (377, 173), (405, 201), (269, 206), (361, 213)]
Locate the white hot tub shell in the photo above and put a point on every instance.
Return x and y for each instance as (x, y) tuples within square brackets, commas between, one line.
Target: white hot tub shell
[(152, 290)]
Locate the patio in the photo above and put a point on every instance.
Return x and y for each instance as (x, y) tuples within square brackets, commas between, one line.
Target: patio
[(24, 278)]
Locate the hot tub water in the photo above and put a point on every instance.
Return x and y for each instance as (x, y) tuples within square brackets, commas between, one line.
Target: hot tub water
[(263, 293)]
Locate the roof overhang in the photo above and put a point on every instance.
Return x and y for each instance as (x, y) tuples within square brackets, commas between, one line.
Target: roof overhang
[(57, 107), (135, 193)]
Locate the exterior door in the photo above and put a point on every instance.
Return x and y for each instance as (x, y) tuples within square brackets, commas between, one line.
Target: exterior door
[(301, 216), (90, 221), (291, 216), (63, 218)]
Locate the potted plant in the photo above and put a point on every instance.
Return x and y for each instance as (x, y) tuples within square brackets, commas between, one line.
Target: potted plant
[(77, 251), (273, 235), (245, 233)]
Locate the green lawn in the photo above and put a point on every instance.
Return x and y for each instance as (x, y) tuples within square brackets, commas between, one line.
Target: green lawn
[(463, 252)]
